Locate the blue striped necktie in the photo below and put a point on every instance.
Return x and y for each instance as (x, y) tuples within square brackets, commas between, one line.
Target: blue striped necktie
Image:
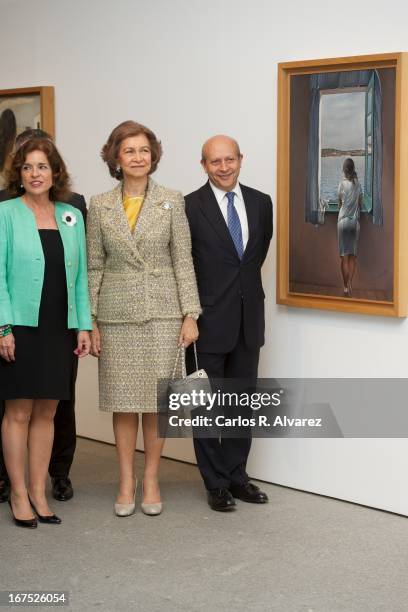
[(234, 225)]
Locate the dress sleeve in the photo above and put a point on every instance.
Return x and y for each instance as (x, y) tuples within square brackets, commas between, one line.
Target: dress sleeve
[(83, 307), (6, 312), (96, 255), (340, 192), (180, 248)]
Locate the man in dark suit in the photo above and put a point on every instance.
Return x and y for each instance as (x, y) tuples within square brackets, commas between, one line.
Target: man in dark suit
[(231, 228), (65, 432)]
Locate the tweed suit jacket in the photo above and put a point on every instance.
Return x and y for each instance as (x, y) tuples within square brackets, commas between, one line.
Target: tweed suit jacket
[(145, 275)]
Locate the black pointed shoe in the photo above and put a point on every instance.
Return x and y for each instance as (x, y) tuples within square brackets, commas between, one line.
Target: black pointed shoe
[(50, 519), (249, 492), (62, 489), (4, 490), (28, 523), (220, 500)]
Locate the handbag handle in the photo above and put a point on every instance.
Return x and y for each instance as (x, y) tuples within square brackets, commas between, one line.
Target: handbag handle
[(183, 361)]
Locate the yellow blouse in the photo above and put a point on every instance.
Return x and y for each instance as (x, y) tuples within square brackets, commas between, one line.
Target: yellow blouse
[(132, 206)]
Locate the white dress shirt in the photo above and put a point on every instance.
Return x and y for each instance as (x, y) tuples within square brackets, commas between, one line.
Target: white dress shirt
[(221, 197)]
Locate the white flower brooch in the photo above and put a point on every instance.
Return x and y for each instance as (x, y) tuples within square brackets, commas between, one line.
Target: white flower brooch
[(167, 205), (69, 218)]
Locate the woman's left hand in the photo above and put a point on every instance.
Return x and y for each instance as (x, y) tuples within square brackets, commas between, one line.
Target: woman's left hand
[(83, 344), (188, 332)]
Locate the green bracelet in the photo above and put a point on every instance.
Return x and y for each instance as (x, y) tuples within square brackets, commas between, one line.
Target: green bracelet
[(5, 330)]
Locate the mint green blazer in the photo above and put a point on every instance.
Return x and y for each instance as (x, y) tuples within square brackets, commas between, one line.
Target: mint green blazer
[(22, 266)]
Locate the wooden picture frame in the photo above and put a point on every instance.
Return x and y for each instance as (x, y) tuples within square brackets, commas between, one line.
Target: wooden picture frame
[(330, 110), (27, 107)]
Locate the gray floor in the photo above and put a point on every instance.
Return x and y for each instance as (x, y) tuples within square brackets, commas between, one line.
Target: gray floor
[(300, 552)]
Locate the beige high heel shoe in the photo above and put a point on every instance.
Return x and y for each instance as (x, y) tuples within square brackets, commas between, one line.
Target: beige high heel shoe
[(151, 509), (126, 509)]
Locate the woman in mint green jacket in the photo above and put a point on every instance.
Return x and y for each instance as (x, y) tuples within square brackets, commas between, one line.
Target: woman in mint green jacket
[(44, 317)]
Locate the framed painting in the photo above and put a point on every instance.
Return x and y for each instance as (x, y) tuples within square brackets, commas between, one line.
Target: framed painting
[(29, 107), (343, 184)]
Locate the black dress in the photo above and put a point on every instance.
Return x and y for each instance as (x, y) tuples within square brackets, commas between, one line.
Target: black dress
[(43, 367)]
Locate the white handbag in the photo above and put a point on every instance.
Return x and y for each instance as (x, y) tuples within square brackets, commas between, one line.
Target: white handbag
[(197, 381)]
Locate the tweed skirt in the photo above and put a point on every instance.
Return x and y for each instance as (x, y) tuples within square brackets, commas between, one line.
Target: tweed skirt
[(133, 358)]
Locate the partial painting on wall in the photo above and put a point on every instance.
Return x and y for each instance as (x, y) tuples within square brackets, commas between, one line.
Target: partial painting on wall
[(340, 189), (20, 109)]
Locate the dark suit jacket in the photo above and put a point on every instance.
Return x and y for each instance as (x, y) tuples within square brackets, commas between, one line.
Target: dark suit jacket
[(230, 290), (76, 200)]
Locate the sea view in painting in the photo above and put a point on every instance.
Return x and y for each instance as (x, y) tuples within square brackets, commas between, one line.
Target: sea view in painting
[(331, 173)]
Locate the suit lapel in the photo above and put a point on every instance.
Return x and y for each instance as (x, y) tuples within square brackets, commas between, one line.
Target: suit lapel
[(252, 211), (211, 210), (147, 212), (116, 213), (118, 222), (68, 235)]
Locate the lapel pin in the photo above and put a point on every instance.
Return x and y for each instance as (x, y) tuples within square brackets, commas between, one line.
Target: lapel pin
[(69, 218), (167, 205)]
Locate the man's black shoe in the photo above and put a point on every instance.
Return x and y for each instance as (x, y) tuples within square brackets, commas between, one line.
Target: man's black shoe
[(62, 489), (4, 490), (249, 492), (221, 500)]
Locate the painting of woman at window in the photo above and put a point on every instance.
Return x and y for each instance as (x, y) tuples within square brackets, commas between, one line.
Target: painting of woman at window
[(350, 197)]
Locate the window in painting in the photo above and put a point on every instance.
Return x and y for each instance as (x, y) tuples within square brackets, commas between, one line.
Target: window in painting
[(346, 130)]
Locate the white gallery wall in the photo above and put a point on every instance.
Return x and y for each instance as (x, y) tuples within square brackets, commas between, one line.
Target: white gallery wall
[(190, 69)]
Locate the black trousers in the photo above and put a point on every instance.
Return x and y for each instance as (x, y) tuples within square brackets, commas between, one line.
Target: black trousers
[(222, 460), (64, 438)]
